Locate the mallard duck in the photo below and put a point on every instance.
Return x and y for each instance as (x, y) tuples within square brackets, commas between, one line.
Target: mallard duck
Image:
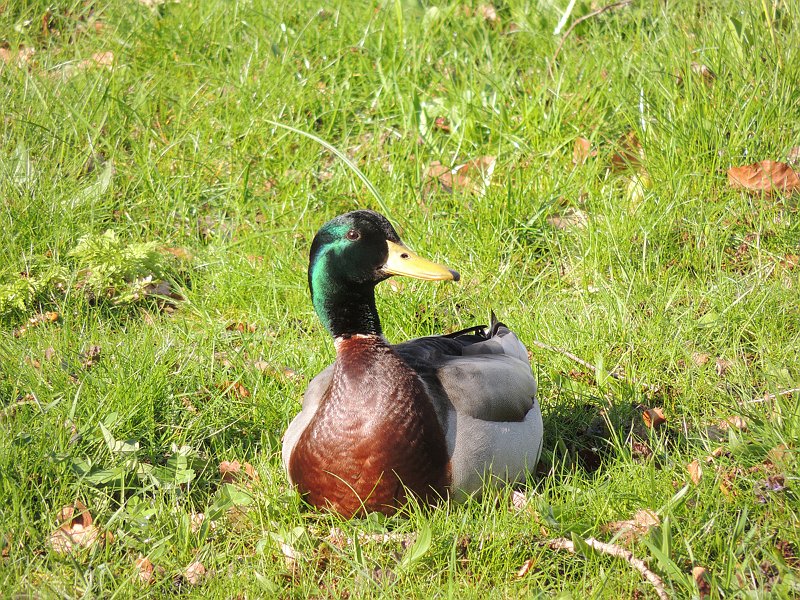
[(434, 417)]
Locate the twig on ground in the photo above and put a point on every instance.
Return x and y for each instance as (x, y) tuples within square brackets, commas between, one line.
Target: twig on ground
[(613, 373), (9, 410), (769, 397), (576, 22), (619, 552), (576, 358)]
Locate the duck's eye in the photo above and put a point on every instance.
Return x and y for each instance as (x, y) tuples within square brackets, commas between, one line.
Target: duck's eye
[(353, 235)]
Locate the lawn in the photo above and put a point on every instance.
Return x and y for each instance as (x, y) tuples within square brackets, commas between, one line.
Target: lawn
[(156, 334)]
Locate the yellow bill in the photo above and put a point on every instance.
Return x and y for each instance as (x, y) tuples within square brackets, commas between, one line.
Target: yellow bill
[(403, 261)]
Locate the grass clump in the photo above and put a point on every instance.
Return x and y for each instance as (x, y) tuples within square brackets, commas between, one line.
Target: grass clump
[(144, 164)]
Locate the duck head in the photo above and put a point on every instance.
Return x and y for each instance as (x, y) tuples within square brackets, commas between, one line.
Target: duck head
[(350, 255)]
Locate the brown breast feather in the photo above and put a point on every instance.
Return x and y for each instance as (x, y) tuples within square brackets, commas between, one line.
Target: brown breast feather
[(374, 438)]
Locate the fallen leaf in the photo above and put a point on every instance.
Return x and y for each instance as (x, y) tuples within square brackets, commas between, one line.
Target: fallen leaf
[(717, 453), (196, 521), (700, 358), (779, 454), (75, 529), (525, 568), (36, 320), (695, 471), (242, 327), (519, 501), (723, 365), (787, 550), (91, 356), (441, 124), (707, 74), (290, 555), (653, 417), (22, 58), (793, 156), (736, 422), (700, 576), (628, 154), (395, 285), (766, 176), (790, 261), (727, 483), (571, 218), (234, 388), (582, 151), (179, 253), (489, 13), (231, 471), (473, 177), (195, 573), (641, 523), (145, 569), (49, 353)]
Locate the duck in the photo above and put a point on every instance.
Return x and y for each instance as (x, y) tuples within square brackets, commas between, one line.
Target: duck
[(434, 418)]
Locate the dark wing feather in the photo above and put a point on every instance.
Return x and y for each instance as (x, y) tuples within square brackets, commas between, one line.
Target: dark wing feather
[(485, 375)]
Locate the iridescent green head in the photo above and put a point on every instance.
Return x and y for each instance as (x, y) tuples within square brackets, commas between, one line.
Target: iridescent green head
[(350, 255)]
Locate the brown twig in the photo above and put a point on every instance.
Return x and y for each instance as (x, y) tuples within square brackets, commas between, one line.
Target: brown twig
[(12, 408), (618, 552), (769, 397), (576, 358), (576, 22)]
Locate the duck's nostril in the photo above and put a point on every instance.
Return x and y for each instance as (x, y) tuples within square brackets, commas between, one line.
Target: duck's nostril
[(404, 255)]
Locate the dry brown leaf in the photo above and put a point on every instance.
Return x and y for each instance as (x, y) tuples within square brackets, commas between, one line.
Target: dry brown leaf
[(779, 454), (290, 555), (91, 356), (23, 56), (75, 530), (195, 573), (723, 365), (700, 576), (793, 156), (653, 417), (179, 253), (766, 176), (790, 261), (700, 358), (234, 388), (36, 320), (525, 568), (628, 154), (571, 218), (441, 124), (735, 422), (489, 13), (145, 569), (641, 523), (242, 327), (695, 471), (717, 453), (231, 471), (582, 151), (196, 520), (395, 285), (707, 74), (473, 177), (519, 501)]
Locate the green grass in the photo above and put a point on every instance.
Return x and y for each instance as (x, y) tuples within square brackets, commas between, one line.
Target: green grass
[(172, 147)]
